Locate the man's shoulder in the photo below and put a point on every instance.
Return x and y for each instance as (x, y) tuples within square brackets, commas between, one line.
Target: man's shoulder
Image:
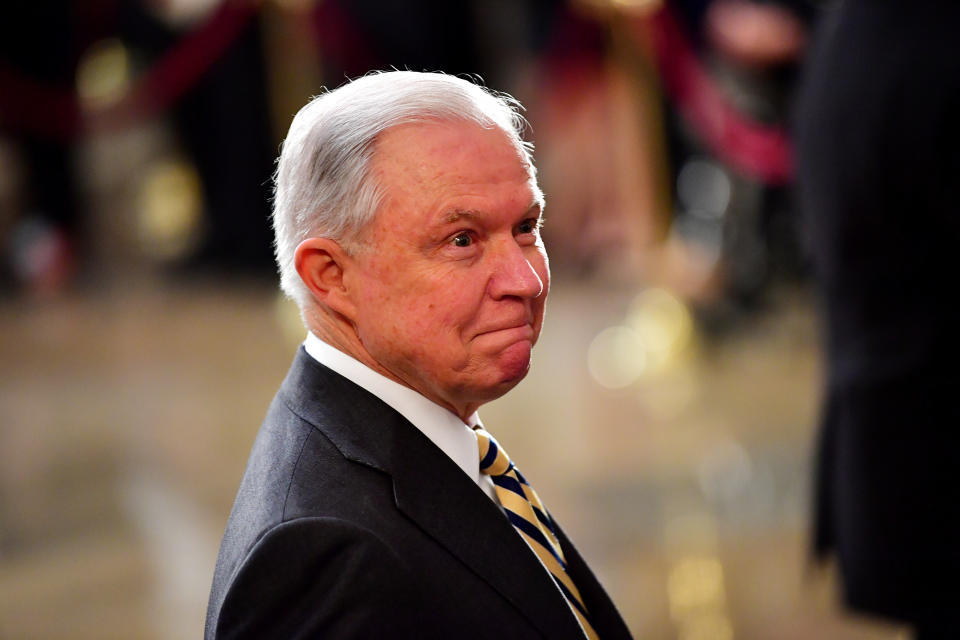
[(301, 459), (297, 484)]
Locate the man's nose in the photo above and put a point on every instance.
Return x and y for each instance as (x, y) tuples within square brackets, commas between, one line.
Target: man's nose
[(514, 273)]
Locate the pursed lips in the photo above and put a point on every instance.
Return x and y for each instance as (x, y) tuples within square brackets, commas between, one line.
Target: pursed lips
[(523, 325)]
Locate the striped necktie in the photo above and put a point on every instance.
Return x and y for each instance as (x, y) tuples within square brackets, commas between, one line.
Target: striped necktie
[(529, 517)]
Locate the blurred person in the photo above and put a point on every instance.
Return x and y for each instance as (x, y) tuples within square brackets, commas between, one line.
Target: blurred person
[(229, 96), (374, 504), (751, 51), (878, 157), (39, 48)]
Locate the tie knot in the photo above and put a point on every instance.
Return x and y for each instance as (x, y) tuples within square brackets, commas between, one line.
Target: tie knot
[(494, 461)]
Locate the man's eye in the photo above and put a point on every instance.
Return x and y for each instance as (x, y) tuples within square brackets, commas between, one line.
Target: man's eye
[(462, 240), (528, 226)]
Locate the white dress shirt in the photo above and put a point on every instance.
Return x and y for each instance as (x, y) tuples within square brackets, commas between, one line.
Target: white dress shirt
[(446, 430)]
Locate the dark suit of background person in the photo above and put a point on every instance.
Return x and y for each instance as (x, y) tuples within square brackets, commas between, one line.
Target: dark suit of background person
[(879, 177), (363, 513)]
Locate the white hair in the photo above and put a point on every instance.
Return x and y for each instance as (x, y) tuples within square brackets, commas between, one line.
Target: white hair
[(323, 185)]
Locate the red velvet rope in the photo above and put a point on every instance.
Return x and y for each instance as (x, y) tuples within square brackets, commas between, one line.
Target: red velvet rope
[(52, 112), (759, 150), (36, 108)]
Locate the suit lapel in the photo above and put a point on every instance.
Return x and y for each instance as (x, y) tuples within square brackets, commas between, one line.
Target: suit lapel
[(431, 490), (439, 497)]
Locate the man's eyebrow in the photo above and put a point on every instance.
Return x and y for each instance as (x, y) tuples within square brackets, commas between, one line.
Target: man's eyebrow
[(536, 205), (459, 214)]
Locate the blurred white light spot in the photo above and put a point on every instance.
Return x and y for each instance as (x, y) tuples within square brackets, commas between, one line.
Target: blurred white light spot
[(182, 13), (702, 243), (710, 625), (171, 210), (103, 73), (703, 189), (725, 471), (616, 358), (663, 324), (694, 583)]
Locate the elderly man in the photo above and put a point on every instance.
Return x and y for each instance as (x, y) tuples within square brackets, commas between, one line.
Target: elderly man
[(374, 504)]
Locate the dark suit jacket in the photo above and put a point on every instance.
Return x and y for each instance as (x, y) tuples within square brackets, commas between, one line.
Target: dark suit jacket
[(349, 522)]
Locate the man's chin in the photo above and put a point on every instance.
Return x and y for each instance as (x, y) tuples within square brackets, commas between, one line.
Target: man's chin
[(493, 375), (514, 362)]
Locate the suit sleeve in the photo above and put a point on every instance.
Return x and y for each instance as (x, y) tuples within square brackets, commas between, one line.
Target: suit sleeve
[(322, 578)]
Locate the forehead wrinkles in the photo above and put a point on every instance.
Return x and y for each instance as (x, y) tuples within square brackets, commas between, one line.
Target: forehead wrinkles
[(416, 164)]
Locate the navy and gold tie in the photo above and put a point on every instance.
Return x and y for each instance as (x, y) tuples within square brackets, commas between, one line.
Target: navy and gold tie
[(528, 516)]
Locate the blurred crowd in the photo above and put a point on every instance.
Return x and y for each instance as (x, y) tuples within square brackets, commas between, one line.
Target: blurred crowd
[(145, 132)]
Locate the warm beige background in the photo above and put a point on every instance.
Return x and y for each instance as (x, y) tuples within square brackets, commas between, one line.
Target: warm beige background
[(128, 410)]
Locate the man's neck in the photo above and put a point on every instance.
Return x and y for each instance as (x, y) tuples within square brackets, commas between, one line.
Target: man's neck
[(340, 335)]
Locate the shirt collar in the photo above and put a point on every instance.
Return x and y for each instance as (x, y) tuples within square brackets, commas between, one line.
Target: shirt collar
[(445, 429)]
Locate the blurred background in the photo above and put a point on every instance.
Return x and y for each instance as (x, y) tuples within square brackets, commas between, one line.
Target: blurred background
[(142, 335)]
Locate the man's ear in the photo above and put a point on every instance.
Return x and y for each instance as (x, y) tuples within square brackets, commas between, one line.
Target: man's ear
[(321, 263)]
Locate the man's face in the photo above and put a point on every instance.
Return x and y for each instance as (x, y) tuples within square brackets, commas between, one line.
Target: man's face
[(450, 284)]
